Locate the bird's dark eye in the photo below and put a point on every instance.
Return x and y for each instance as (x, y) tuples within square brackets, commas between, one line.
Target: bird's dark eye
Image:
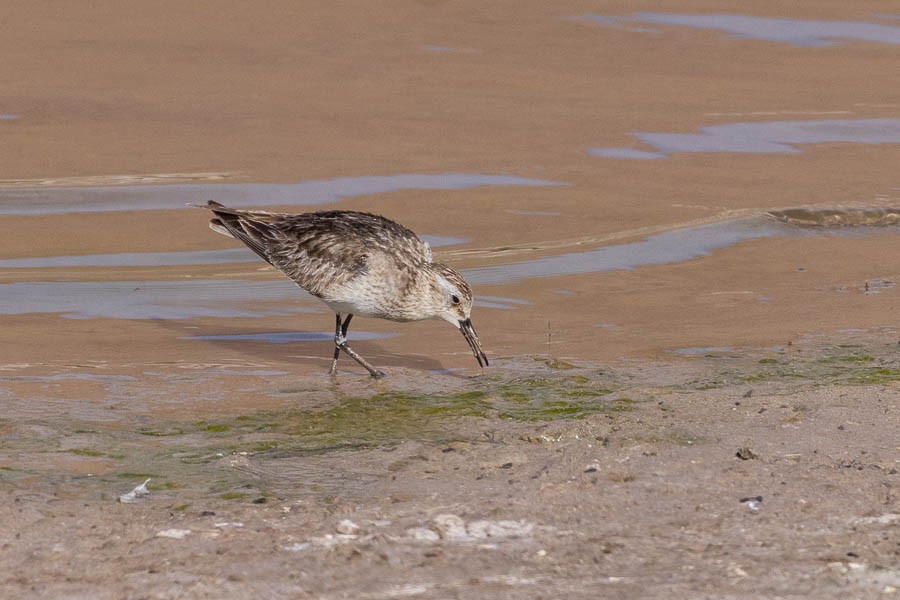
[(454, 299)]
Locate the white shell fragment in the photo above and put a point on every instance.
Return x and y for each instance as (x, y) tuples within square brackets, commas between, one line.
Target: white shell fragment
[(136, 493)]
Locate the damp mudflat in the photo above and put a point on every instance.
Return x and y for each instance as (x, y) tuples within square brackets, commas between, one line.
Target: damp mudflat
[(96, 433), (680, 227), (113, 421), (259, 471)]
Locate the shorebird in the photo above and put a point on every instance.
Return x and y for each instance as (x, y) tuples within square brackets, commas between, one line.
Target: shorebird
[(358, 264)]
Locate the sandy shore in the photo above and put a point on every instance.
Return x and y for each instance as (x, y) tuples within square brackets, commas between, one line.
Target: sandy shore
[(734, 474)]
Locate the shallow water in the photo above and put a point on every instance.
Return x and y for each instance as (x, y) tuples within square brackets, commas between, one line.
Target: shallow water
[(799, 32), (173, 299), (165, 259), (500, 302), (773, 137), (155, 299), (711, 350), (290, 337), (681, 245), (65, 376), (239, 298), (53, 200)]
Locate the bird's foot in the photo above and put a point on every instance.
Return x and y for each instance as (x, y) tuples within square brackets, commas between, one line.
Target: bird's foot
[(343, 345)]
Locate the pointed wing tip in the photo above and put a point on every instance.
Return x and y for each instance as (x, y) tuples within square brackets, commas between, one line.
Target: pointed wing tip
[(210, 204)]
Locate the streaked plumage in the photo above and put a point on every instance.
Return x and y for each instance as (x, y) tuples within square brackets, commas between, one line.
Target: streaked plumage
[(358, 264)]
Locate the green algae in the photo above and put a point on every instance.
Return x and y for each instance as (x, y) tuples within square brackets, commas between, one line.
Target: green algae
[(166, 485), (168, 432), (876, 375), (216, 456), (389, 417), (207, 454), (217, 427), (86, 452), (556, 363), (846, 358), (844, 364), (234, 496)]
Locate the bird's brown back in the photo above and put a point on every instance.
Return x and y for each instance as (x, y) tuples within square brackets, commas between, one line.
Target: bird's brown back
[(322, 249)]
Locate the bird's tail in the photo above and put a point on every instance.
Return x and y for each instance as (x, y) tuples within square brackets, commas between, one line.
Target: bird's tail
[(217, 224), (238, 224)]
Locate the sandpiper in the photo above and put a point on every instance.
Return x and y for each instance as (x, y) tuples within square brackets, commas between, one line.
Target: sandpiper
[(358, 264)]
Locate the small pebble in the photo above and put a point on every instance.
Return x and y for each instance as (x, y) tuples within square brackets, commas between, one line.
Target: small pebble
[(450, 527), (175, 534), (752, 502), (347, 527), (746, 453), (503, 528), (422, 534)]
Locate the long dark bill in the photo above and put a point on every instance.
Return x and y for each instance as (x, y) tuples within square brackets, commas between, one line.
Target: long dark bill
[(468, 332)]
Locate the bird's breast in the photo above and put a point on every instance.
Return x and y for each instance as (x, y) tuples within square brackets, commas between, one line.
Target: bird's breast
[(390, 295)]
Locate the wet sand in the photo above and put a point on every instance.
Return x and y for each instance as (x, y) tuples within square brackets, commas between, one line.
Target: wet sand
[(600, 173)]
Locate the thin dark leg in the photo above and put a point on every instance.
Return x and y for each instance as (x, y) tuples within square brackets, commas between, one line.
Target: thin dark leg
[(337, 337), (340, 332), (340, 343)]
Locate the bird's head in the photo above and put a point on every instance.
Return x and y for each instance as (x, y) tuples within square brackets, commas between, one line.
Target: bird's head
[(455, 306)]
